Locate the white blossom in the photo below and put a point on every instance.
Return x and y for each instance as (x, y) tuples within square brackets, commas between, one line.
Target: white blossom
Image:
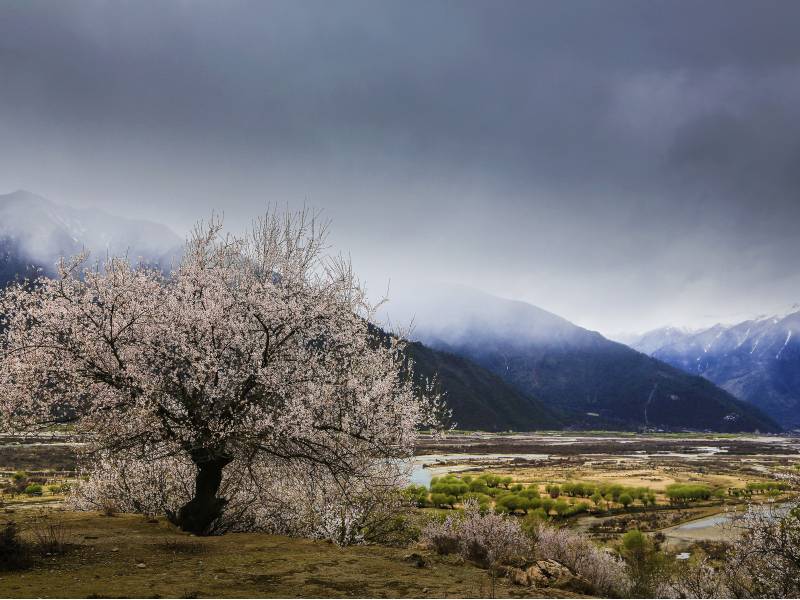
[(255, 354)]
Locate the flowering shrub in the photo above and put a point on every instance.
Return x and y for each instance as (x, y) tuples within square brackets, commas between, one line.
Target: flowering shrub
[(488, 538), (606, 572), (485, 538), (443, 535), (764, 560)]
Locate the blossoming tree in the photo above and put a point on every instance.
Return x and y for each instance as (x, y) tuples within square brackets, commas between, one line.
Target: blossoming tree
[(256, 348)]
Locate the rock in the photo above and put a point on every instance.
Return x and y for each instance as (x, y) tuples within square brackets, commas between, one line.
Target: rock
[(552, 574), (518, 576), (115, 549), (416, 560), (141, 565)]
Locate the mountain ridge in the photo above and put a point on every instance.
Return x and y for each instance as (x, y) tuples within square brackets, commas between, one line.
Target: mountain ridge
[(757, 360)]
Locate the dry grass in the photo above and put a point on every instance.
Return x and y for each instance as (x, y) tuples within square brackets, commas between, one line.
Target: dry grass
[(106, 559)]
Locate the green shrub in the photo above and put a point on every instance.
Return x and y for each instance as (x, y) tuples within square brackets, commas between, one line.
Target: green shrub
[(547, 504), (484, 501), (34, 489), (512, 503), (479, 486), (561, 508), (533, 519), (553, 489), (682, 493), (440, 500), (416, 495)]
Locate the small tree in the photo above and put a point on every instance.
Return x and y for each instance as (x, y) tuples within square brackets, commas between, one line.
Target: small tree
[(647, 565), (255, 352), (625, 500)]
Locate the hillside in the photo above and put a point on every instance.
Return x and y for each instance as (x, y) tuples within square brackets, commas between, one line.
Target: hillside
[(478, 398), (591, 381)]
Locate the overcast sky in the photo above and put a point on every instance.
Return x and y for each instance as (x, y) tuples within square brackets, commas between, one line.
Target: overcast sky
[(623, 164)]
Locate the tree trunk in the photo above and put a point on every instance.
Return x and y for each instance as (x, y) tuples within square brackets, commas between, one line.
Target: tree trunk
[(198, 515)]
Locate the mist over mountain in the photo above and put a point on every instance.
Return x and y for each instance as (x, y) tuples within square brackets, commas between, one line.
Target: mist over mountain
[(757, 360), (36, 232), (592, 382)]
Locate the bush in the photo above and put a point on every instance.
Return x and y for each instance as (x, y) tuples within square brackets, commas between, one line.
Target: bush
[(52, 537), (450, 485), (604, 571), (14, 553), (34, 489), (484, 501), (416, 495), (533, 519), (440, 500), (479, 486), (489, 539), (561, 508), (485, 538), (442, 535), (679, 493), (547, 505), (512, 503)]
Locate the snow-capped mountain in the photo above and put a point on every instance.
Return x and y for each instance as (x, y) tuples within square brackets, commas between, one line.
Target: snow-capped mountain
[(756, 360), (35, 232), (655, 339)]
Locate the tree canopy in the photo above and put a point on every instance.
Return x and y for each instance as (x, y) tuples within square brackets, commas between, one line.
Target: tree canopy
[(254, 350)]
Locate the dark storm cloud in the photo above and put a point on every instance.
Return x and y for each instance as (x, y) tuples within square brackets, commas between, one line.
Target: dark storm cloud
[(621, 163)]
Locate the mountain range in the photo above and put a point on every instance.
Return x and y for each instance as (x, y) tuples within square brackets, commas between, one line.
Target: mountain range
[(588, 381), (503, 365), (757, 360)]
